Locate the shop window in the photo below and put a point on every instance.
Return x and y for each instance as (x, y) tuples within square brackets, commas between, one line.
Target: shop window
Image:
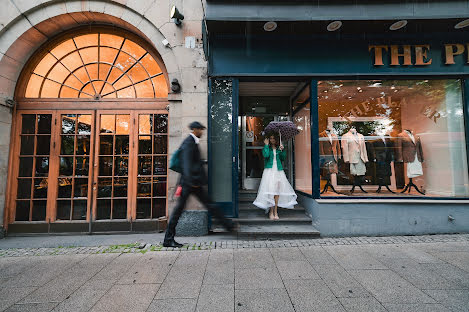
[(95, 66), (303, 168), (393, 138)]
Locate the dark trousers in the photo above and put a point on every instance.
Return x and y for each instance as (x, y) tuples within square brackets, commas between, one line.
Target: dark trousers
[(202, 195)]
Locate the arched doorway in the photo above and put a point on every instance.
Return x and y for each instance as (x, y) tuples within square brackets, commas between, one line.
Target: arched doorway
[(89, 138)]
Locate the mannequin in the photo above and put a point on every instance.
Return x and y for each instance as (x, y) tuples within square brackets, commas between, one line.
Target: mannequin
[(329, 154), (382, 151), (409, 150), (354, 152)]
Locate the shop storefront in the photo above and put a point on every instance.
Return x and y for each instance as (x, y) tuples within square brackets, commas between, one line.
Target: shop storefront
[(383, 117)]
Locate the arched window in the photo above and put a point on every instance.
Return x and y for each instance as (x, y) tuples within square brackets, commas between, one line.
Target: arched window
[(97, 66)]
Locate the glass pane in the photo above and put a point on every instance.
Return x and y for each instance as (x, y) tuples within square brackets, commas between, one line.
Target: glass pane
[(121, 166), (104, 187), (84, 124), (43, 145), (410, 132), (108, 123), (83, 145), (159, 186), (303, 170), (24, 189), (79, 210), (86, 41), (66, 166), (63, 209), (161, 86), (120, 187), (39, 210), (119, 210), (82, 165), (161, 144), (65, 187), (159, 207), (67, 145), (159, 166), (68, 124), (44, 124), (106, 144), (122, 124), (144, 144), (22, 210), (111, 40), (144, 208), (34, 85), (144, 89), (161, 123), (105, 166), (26, 167), (81, 187), (144, 187), (28, 124), (40, 188), (145, 124), (122, 145), (27, 145), (103, 209), (144, 165), (221, 140)]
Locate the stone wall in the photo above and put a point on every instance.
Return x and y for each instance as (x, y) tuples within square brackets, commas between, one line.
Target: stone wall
[(26, 24)]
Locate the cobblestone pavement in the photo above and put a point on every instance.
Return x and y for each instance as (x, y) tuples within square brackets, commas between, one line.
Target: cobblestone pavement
[(401, 273), (206, 244)]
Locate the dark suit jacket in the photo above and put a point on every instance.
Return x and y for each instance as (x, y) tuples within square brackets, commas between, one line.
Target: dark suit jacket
[(406, 148), (382, 151), (193, 173)]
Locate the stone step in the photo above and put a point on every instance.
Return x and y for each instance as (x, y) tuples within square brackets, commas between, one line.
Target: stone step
[(278, 231), (283, 214)]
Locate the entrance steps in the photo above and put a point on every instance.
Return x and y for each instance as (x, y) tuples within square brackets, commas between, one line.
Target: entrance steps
[(255, 224)]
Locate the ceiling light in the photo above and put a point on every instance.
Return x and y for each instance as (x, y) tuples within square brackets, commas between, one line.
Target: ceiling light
[(462, 24), (333, 26), (398, 25), (270, 26)]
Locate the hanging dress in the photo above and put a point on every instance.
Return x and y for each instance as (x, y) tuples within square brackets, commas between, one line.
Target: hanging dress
[(274, 182)]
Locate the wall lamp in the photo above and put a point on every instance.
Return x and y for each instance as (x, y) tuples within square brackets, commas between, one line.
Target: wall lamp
[(176, 15)]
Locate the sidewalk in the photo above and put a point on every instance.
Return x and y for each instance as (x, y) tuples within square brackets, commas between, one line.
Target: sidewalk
[(401, 273)]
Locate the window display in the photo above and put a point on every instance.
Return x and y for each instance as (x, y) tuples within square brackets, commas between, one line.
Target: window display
[(392, 138)]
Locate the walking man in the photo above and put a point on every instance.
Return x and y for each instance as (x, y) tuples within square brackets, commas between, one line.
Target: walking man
[(193, 179)]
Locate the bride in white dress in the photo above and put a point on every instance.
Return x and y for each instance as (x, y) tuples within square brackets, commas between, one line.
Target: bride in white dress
[(274, 190)]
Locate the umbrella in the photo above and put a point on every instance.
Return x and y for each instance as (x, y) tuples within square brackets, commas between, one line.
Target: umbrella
[(286, 129)]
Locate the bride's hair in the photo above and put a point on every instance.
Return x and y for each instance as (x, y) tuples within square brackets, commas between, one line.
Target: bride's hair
[(276, 140)]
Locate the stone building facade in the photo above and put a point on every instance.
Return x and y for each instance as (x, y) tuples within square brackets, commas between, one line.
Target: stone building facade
[(28, 25)]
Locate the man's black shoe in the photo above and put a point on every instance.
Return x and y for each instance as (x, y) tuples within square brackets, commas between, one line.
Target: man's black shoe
[(173, 244)]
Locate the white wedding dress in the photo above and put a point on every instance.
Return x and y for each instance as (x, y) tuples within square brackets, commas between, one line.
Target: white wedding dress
[(274, 182)]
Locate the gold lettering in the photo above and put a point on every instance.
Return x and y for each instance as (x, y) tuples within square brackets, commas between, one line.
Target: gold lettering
[(450, 53), (378, 53), (395, 55), (421, 54)]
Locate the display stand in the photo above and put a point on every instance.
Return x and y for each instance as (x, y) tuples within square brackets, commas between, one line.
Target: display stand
[(329, 184), (381, 185), (357, 182), (410, 185)]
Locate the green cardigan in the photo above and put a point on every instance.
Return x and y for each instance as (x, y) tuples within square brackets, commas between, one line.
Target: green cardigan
[(268, 154)]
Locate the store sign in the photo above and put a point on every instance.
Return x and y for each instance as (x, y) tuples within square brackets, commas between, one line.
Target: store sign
[(249, 137), (418, 55)]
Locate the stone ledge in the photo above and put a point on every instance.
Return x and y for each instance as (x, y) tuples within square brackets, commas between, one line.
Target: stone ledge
[(193, 223), (391, 201)]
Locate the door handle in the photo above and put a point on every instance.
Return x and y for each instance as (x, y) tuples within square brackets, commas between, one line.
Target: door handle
[(234, 159)]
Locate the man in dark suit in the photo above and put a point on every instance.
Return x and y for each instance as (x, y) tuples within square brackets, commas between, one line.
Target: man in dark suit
[(193, 179)]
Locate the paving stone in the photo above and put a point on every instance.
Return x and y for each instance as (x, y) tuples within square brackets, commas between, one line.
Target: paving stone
[(449, 272), (296, 270), (217, 298), (137, 297), (369, 304), (262, 300), (416, 307), (388, 286), (33, 307), (340, 282), (317, 255), (173, 305), (456, 258), (150, 269), (312, 296), (220, 267), (455, 300), (253, 258), (9, 296), (419, 275), (118, 267), (354, 258), (287, 254), (258, 278), (419, 255)]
